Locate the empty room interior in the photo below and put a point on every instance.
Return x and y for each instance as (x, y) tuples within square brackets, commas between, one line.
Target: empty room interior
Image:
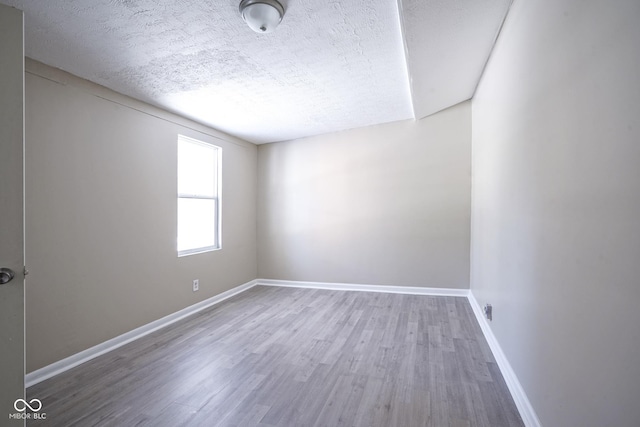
[(302, 213)]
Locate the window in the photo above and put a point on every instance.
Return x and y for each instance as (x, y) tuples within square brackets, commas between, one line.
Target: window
[(198, 196)]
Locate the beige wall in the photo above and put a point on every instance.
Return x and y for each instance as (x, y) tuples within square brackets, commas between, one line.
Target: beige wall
[(556, 206), (387, 204), (101, 216)]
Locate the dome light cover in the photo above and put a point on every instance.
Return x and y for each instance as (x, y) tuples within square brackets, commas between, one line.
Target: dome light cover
[(262, 16)]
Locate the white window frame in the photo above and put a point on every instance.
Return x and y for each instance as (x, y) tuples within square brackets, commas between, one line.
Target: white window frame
[(218, 209)]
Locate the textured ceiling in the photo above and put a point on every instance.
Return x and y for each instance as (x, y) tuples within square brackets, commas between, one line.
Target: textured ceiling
[(329, 66)]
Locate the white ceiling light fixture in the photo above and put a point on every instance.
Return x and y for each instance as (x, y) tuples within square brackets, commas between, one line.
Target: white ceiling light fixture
[(262, 16)]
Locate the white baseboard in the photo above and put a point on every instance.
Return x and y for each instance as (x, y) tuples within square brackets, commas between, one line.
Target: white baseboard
[(63, 365), (520, 398), (411, 290), (70, 362)]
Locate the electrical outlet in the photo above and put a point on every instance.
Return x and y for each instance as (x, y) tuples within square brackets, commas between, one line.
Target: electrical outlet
[(196, 285), (488, 312)]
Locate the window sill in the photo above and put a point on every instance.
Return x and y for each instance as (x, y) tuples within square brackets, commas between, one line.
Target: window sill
[(198, 251)]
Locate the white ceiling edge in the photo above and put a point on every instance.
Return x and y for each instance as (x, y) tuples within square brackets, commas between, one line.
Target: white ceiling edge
[(405, 51), (493, 46), (448, 47), (56, 75)]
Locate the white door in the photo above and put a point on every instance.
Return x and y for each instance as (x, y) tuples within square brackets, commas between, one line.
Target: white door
[(11, 213)]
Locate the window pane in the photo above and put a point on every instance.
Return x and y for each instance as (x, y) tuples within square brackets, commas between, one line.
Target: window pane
[(196, 223), (197, 168)]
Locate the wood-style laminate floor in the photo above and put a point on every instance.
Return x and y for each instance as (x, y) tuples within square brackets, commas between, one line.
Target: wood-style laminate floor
[(295, 357)]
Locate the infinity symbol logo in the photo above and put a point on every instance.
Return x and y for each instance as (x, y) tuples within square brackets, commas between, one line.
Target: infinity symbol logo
[(37, 405)]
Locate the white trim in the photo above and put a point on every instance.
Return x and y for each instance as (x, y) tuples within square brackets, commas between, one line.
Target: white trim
[(63, 365), (412, 290), (517, 392)]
